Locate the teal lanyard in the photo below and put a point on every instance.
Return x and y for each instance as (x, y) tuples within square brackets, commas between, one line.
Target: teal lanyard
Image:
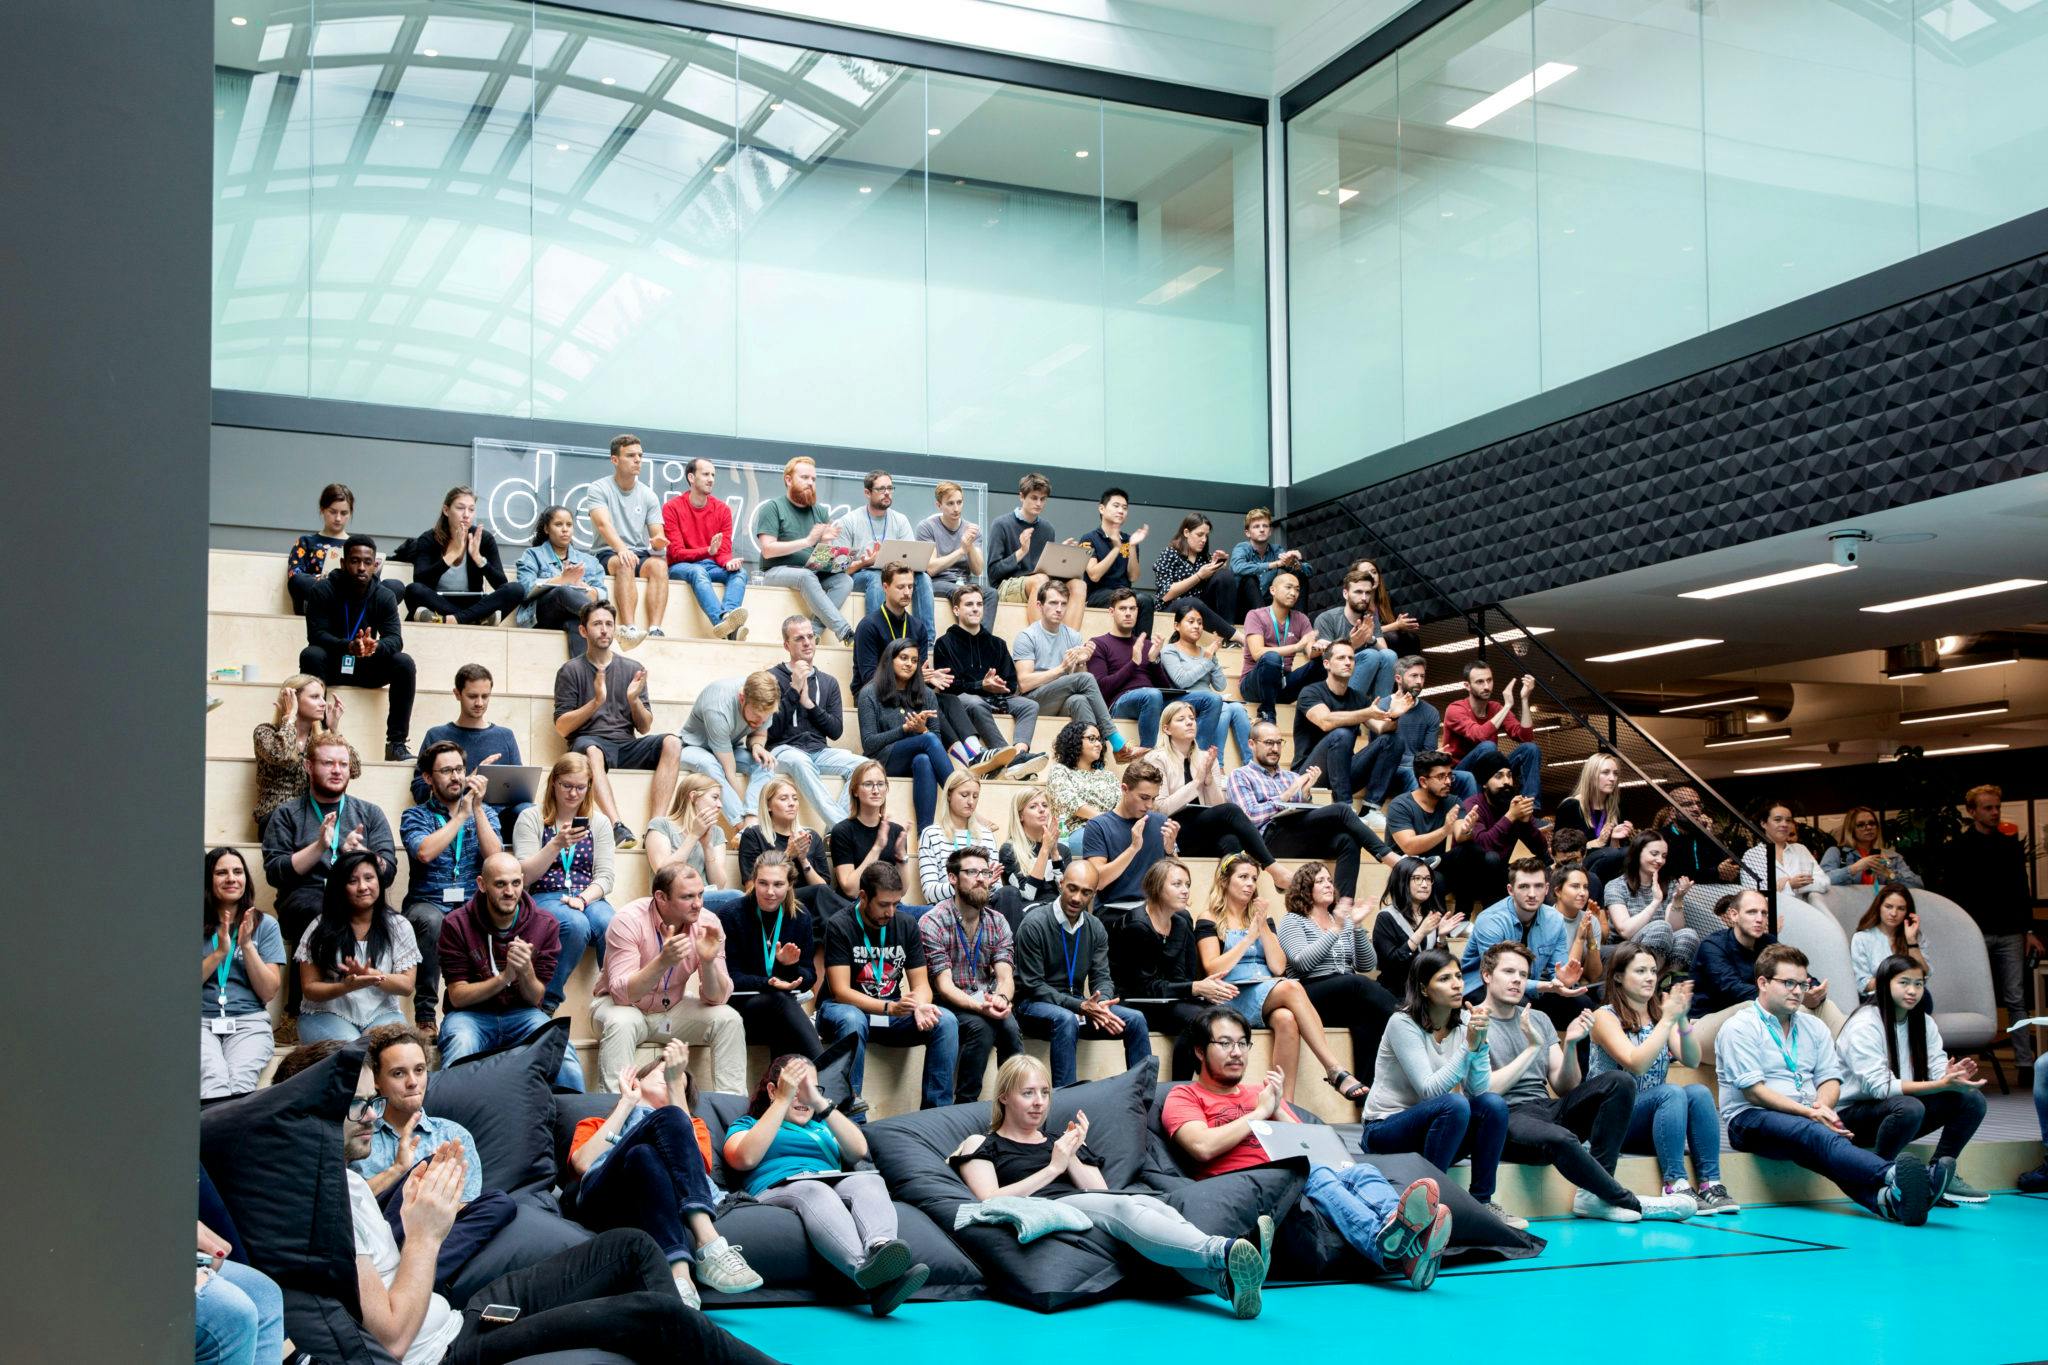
[(220, 994), (768, 949), (876, 963), (1788, 1050), (567, 856), (334, 844), (458, 842)]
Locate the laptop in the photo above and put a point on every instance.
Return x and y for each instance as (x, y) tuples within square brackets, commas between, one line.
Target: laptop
[(507, 784), (1318, 1143), (914, 554), (1063, 561)]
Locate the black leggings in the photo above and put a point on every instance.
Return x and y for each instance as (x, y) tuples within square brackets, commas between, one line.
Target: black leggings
[(1359, 1003), (777, 1021), (1172, 1018), (614, 1292), (1212, 831), (561, 608), (504, 598), (1215, 601)]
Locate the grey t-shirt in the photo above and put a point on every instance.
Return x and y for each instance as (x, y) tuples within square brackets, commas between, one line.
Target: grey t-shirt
[(944, 542), (631, 513), (862, 528), (1040, 648), (575, 682), (1504, 1043), (715, 722), (1333, 624)]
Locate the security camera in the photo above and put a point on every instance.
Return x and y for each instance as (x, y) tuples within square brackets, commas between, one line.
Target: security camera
[(1845, 547)]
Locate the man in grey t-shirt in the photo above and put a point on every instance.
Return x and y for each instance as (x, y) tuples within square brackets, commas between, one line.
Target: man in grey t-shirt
[(726, 738), (1531, 1066), (601, 708), (1052, 667), (955, 540), (626, 515)]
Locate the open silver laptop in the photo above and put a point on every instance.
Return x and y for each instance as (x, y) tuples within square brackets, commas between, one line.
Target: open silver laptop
[(1063, 561), (1318, 1143), (913, 554)]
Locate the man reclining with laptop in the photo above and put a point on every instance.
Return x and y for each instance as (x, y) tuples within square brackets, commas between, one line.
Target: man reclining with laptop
[(1226, 1125)]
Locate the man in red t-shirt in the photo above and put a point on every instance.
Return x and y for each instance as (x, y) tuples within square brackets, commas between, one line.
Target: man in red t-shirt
[(1211, 1119)]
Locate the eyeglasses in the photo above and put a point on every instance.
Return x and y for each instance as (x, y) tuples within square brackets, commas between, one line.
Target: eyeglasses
[(1792, 983), (366, 1107), (978, 873), (1232, 1044)]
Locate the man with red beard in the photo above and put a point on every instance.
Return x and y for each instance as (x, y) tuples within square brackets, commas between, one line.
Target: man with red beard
[(802, 548)]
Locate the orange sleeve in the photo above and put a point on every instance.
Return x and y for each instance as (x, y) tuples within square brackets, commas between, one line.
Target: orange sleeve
[(585, 1130)]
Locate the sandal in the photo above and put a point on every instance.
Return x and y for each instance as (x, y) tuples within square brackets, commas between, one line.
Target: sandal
[(1348, 1085)]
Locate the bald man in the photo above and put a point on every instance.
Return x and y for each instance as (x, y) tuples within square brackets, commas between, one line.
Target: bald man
[(497, 952)]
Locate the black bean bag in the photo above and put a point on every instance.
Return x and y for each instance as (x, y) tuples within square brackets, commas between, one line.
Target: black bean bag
[(1308, 1247), (505, 1098)]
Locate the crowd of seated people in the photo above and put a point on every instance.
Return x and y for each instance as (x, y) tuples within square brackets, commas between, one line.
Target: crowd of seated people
[(1518, 993)]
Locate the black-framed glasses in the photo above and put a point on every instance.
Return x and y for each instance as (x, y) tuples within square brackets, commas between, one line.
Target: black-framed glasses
[(1232, 1044), (1791, 983), (978, 873), (366, 1107)]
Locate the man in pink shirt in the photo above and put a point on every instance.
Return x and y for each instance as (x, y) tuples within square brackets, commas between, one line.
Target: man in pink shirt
[(702, 553), (1475, 721), (653, 949)]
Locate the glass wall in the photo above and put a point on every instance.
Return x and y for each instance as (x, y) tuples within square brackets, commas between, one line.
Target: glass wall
[(517, 211), (1536, 190)]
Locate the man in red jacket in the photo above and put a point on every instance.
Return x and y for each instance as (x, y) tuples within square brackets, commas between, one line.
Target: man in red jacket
[(1474, 722), (701, 551)]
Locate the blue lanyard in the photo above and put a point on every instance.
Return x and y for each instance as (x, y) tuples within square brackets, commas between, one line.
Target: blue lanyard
[(1788, 1053), (1067, 949), (357, 624), (220, 994), (972, 957), (458, 840), (341, 809), (769, 950), (878, 535)]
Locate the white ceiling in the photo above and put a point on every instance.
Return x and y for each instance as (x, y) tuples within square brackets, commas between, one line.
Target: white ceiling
[(1815, 636)]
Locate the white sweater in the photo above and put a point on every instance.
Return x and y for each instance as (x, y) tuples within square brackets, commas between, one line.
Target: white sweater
[(1861, 1045)]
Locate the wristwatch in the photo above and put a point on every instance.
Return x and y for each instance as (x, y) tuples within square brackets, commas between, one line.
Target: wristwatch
[(820, 1115)]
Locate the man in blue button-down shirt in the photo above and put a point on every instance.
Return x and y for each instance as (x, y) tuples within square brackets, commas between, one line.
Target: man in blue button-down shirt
[(397, 1057), (1779, 1080), (446, 837), (1524, 917)]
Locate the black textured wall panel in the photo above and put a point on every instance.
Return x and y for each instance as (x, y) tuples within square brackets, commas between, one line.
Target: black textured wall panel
[(1942, 393)]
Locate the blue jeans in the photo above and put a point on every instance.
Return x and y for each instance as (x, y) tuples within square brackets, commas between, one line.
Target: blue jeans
[(1374, 675), (318, 1026), (580, 929), (239, 1318), (1858, 1171), (1525, 762), (1238, 721), (1668, 1119), (1064, 1027), (736, 804), (653, 1180), (922, 759), (1348, 772), (868, 583), (808, 769), (941, 1045), (1270, 682), (464, 1033), (1358, 1200), (1444, 1129), (1142, 704), (705, 579)]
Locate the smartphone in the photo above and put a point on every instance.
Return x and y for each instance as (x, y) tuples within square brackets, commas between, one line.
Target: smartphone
[(499, 1314), (580, 822)]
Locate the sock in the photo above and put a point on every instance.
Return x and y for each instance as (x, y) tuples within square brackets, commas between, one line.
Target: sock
[(1116, 741)]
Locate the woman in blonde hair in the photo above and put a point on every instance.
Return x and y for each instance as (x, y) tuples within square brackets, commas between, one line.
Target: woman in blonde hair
[(569, 871), (693, 832), (1238, 942), (1860, 858), (304, 709), (1594, 810), (1033, 858), (959, 825), (1015, 1159), (781, 831)]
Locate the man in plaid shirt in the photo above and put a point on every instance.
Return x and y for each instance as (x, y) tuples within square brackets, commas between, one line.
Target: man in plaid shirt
[(967, 956), (1262, 787)]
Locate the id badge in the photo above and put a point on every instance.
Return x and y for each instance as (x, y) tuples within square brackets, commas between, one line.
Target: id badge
[(348, 665), (452, 895), (661, 1025), (221, 1025)]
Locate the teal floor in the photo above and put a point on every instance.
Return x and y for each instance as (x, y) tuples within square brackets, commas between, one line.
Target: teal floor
[(1824, 1280)]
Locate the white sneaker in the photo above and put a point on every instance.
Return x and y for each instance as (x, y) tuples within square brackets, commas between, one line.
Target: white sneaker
[(1668, 1208), (631, 634), (722, 1268), (1585, 1205), (685, 1286), (1375, 820)]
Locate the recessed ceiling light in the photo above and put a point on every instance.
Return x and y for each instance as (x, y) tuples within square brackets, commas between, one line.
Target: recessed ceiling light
[(1959, 595), (1971, 712), (1753, 737), (1778, 768), (1506, 98), (1323, 192), (1083, 153), (867, 189), (1649, 651), (932, 132), (1907, 538), (719, 169), (775, 104), (1769, 580), (607, 80), (1501, 637), (431, 52), (561, 146), (239, 22), (398, 123), (1708, 704), (1981, 663), (1963, 749)]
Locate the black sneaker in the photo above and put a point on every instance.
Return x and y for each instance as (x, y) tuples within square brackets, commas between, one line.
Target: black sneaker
[(889, 1297), (397, 753), (623, 836), (1906, 1194), (887, 1262), (2036, 1180)]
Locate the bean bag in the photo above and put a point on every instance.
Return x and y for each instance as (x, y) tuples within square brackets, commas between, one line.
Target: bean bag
[(505, 1098)]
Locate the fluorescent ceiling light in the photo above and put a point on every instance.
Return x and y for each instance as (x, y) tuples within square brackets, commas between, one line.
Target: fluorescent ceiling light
[(1564, 763), (1778, 768), (1963, 749), (1901, 677), (1769, 580), (1981, 663), (1189, 279), (1648, 650), (239, 22), (1083, 153), (1987, 708), (1753, 737), (1441, 688), (1345, 196), (1959, 595), (1501, 637), (1500, 101), (1708, 704)]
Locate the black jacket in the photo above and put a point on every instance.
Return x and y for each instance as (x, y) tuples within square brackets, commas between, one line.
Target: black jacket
[(971, 657), (331, 612), (430, 570), (1986, 874)]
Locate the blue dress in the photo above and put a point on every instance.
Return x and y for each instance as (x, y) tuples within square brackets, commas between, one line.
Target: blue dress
[(1252, 977)]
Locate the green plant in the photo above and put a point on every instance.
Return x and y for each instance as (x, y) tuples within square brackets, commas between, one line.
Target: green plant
[(1925, 816)]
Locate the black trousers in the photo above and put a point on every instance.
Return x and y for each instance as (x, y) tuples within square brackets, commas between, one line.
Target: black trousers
[(980, 1035), (294, 913), (958, 721), (1886, 1126), (1596, 1111), (1212, 831), (1172, 1018), (1473, 877), (1099, 597), (1216, 602), (504, 599), (1359, 1003), (1326, 829), (613, 1293), (394, 671), (425, 918), (561, 608), (777, 1021)]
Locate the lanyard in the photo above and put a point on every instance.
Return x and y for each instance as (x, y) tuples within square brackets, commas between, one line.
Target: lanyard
[(1067, 950), (340, 809), (1282, 623), (459, 833), (567, 856), (220, 994), (972, 956), (768, 949), (877, 964), (878, 534), (1788, 1049), (357, 624), (895, 634)]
